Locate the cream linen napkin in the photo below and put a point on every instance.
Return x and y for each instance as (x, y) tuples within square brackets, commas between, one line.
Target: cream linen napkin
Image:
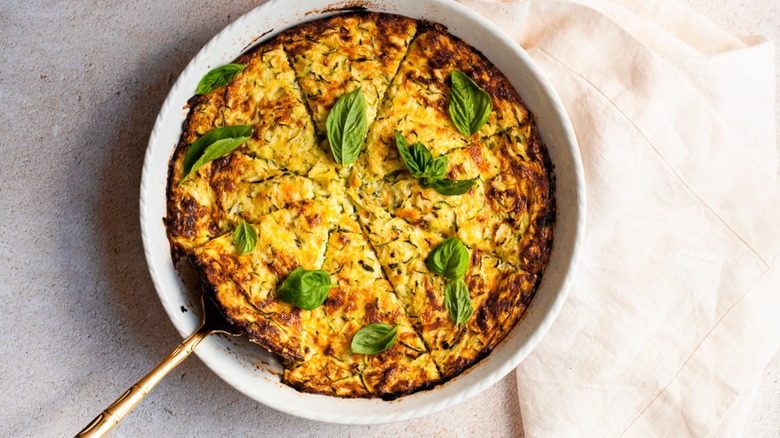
[(675, 310)]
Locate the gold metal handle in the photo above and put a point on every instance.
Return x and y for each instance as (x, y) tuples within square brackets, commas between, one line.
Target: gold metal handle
[(113, 414)]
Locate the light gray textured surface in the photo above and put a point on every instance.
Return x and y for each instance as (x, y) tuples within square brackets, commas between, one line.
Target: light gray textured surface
[(81, 84)]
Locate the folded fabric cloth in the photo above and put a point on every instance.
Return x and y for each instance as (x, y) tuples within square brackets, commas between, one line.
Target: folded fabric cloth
[(675, 310)]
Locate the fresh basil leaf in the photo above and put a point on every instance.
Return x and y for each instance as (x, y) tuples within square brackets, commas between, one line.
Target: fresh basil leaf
[(218, 77), (469, 106), (213, 145), (420, 162), (428, 170), (416, 158), (305, 289), (451, 187), (458, 301), (400, 141), (449, 258), (437, 168), (245, 238), (347, 125), (421, 157), (374, 338)]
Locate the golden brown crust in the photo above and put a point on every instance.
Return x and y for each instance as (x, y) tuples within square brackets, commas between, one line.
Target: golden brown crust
[(370, 225)]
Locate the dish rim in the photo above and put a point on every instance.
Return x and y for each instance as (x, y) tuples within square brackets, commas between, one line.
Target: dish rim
[(242, 372)]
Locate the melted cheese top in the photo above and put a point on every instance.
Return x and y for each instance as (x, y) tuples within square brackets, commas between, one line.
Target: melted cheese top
[(370, 225)]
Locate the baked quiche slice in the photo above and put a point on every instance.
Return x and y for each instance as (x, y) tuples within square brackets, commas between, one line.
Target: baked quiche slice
[(267, 97), (363, 297), (336, 55), (499, 291), (244, 285), (417, 101)]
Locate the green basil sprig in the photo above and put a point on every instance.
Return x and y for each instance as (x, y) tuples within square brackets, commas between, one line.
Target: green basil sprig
[(430, 171), (449, 258), (305, 289), (347, 125), (245, 238), (419, 161), (213, 145), (218, 77), (374, 338), (469, 106), (458, 301)]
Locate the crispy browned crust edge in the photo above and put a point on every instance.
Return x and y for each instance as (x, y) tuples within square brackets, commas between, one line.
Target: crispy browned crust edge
[(385, 396), (497, 84), (255, 332), (389, 24)]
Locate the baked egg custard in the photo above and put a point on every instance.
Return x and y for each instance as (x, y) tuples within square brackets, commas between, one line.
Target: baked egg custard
[(367, 197)]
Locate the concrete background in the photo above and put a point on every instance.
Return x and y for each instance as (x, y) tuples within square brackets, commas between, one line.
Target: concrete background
[(81, 83)]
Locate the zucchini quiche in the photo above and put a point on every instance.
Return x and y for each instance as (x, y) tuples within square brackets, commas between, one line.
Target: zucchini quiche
[(367, 197)]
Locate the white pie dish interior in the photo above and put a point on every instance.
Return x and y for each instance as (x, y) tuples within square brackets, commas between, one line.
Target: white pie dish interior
[(255, 372)]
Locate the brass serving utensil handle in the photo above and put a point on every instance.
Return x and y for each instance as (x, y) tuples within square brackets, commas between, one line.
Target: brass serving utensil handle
[(113, 414)]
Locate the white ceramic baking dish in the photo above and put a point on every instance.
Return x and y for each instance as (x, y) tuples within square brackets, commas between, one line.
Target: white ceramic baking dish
[(256, 373)]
